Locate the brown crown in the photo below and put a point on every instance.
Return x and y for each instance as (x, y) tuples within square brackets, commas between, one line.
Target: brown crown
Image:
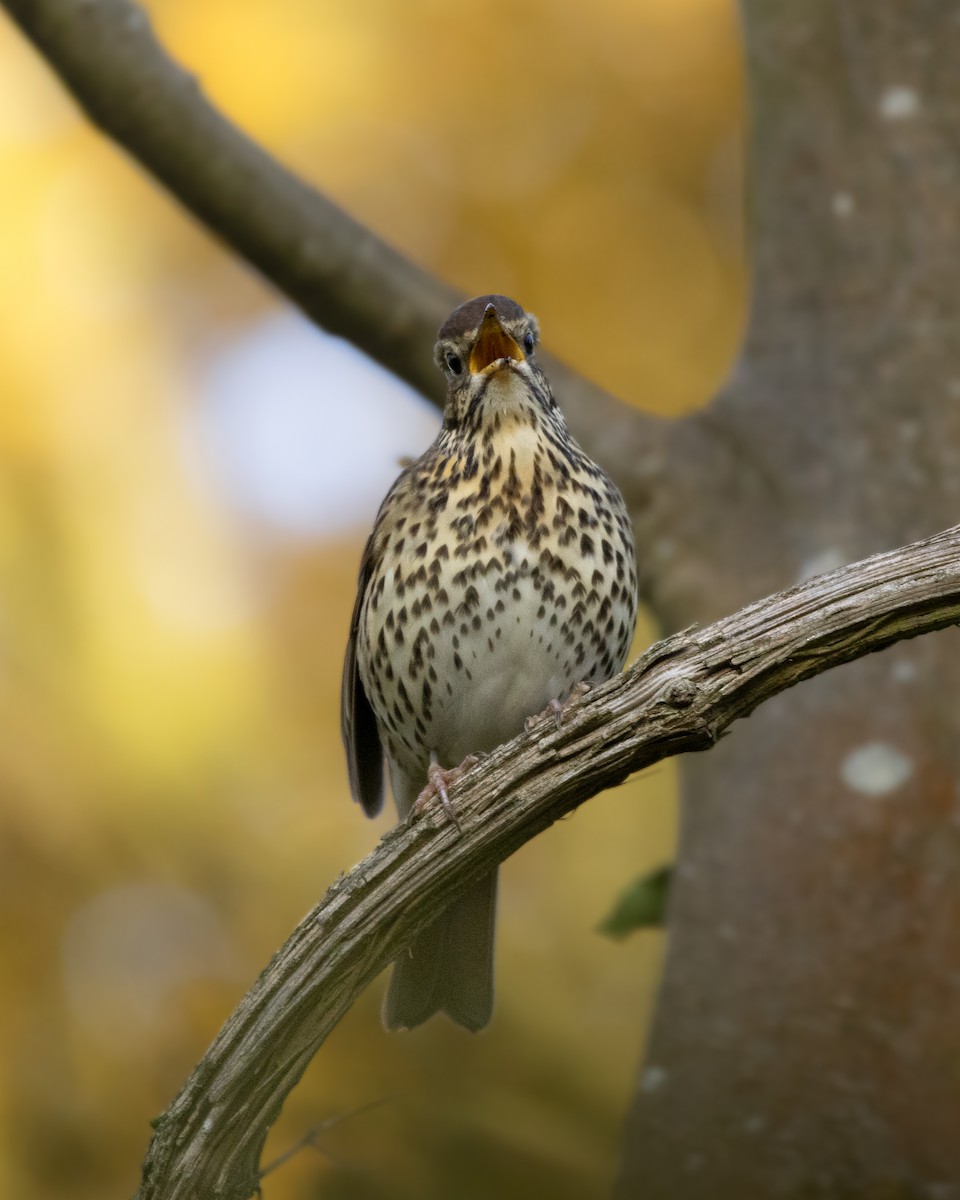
[(469, 315)]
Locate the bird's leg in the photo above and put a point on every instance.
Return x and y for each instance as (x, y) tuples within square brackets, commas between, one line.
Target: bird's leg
[(558, 709), (438, 780)]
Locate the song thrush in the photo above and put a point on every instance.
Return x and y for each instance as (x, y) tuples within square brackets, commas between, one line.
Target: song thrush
[(500, 574)]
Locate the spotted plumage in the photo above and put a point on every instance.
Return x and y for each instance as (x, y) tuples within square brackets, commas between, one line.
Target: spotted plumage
[(499, 574)]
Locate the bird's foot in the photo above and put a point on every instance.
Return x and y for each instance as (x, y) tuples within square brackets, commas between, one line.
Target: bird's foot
[(559, 709), (438, 780)]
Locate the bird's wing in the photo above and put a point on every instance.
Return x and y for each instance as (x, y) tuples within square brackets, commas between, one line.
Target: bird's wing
[(358, 725)]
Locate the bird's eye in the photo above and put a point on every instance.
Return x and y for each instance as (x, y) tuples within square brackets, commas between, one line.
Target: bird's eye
[(529, 341), (453, 363)]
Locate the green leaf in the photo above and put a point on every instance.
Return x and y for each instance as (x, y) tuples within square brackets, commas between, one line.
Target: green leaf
[(642, 906)]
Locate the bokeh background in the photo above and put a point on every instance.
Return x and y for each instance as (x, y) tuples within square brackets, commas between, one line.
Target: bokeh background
[(187, 473)]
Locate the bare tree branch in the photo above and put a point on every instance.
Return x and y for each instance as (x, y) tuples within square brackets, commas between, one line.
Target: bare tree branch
[(338, 272), (355, 285), (681, 696), (850, 362), (309, 1141)]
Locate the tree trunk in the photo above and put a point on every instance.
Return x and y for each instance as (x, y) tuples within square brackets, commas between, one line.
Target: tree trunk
[(807, 1041)]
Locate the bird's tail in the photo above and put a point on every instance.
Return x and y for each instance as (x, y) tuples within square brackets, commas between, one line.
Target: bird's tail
[(449, 968)]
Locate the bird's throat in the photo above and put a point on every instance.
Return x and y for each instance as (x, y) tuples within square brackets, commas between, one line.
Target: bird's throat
[(507, 399)]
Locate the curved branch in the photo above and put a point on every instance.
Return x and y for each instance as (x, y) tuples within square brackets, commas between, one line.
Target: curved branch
[(680, 696)]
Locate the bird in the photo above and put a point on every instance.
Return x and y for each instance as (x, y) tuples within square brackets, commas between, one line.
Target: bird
[(499, 579)]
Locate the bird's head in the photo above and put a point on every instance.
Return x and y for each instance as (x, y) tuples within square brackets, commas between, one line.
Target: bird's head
[(485, 349)]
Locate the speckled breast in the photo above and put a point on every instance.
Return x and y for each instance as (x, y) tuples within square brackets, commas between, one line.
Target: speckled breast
[(500, 581)]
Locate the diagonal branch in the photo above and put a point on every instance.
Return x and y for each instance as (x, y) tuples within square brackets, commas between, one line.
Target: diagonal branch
[(342, 275), (681, 696), (351, 282), (337, 271)]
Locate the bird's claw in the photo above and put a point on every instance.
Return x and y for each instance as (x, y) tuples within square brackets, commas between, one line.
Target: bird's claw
[(438, 780), (559, 709)]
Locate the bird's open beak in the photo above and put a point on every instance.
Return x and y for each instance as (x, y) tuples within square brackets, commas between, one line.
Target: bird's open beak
[(493, 343)]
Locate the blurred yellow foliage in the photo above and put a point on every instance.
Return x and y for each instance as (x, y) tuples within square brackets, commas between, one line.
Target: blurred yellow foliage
[(174, 796)]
